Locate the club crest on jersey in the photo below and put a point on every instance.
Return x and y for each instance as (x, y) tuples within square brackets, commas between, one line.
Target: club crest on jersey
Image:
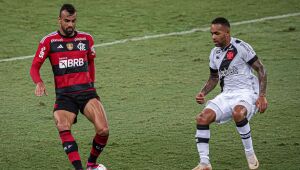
[(230, 55), (81, 46), (70, 46)]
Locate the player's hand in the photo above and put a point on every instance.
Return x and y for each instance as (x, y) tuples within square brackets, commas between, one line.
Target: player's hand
[(40, 89), (262, 104), (200, 98)]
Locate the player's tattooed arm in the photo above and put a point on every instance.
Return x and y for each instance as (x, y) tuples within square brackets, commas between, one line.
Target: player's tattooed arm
[(261, 102), (211, 83), (262, 77), (209, 86)]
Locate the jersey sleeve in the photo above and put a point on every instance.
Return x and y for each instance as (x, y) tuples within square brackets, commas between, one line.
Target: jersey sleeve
[(91, 52), (91, 57), (38, 60), (249, 54), (212, 65)]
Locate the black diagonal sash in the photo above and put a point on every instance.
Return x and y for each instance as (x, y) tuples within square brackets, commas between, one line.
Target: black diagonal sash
[(227, 59)]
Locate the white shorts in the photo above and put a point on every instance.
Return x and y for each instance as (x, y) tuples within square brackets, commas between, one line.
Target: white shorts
[(224, 103)]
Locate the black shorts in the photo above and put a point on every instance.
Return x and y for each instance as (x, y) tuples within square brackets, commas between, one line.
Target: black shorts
[(74, 102)]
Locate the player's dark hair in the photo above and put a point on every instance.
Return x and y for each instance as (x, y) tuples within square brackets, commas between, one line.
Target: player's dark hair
[(68, 7), (222, 21)]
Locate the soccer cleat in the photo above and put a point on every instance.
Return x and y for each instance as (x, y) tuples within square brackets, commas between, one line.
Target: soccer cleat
[(252, 161), (203, 166), (94, 166)]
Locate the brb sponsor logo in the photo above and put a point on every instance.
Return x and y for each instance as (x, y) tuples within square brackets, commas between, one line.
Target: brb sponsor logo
[(68, 63)]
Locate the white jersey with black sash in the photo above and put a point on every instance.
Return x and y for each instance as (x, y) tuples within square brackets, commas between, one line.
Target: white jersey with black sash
[(233, 65)]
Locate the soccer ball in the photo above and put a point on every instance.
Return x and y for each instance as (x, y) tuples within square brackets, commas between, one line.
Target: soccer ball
[(100, 167)]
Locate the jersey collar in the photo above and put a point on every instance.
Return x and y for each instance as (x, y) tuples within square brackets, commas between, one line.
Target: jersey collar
[(226, 48)]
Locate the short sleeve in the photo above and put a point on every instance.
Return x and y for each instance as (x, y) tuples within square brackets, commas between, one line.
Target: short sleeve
[(249, 54), (212, 64)]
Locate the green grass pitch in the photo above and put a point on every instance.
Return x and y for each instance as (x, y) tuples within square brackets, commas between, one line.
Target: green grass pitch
[(148, 86)]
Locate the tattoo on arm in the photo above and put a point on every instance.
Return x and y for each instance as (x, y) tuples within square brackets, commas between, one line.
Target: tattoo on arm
[(262, 77), (211, 83)]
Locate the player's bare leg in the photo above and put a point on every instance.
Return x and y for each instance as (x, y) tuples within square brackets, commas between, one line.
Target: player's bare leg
[(239, 115), (204, 119), (95, 113), (64, 120)]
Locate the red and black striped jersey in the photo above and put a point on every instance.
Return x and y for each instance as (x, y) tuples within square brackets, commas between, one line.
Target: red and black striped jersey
[(72, 60)]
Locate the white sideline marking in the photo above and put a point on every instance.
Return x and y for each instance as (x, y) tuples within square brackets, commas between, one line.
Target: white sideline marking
[(168, 34)]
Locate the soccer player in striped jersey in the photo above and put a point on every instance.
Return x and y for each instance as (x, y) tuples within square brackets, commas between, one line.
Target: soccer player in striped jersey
[(71, 54), (231, 63)]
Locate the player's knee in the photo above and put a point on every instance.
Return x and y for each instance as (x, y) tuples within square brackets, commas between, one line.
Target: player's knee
[(239, 113), (63, 126), (102, 131), (64, 120), (204, 118)]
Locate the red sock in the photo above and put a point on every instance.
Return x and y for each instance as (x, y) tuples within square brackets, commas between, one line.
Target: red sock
[(99, 143), (71, 148)]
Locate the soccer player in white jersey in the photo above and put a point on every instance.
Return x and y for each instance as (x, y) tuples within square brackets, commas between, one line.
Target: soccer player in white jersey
[(242, 94)]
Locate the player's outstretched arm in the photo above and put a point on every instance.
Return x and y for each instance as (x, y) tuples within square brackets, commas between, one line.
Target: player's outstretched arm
[(209, 86), (261, 102)]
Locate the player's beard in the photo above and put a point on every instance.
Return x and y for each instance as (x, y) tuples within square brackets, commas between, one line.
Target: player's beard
[(217, 44), (221, 44), (68, 31)]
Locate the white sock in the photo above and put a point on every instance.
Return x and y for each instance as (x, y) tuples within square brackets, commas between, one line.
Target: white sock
[(202, 139), (243, 127)]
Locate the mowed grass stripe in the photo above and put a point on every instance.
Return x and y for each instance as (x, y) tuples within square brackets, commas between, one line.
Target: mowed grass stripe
[(168, 34)]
